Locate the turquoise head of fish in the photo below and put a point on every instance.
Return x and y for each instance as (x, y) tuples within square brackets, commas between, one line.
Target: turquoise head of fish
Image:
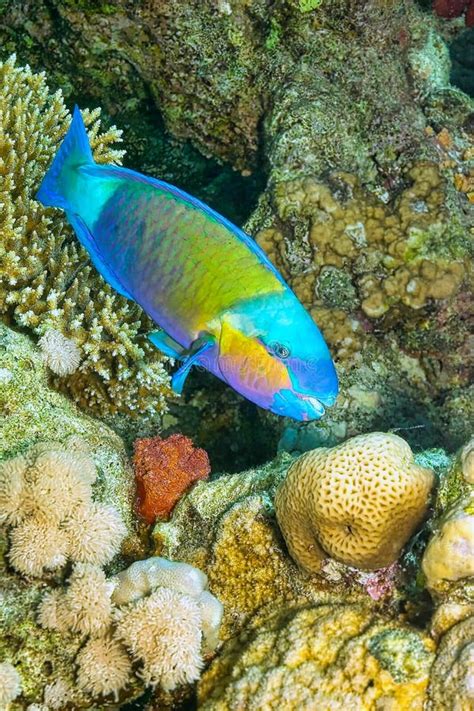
[(272, 352)]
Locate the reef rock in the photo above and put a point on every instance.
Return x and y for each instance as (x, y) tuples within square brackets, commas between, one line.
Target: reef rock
[(447, 562), (326, 656), (452, 674)]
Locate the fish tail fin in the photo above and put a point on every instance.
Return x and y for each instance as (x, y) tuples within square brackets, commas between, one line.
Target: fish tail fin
[(59, 183)]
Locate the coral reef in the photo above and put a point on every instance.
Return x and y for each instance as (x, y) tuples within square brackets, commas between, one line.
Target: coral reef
[(54, 518), (60, 354), (227, 527), (165, 625), (163, 631), (366, 209), (449, 555), (144, 576), (447, 560), (140, 578), (32, 412), (327, 656), (164, 470), (358, 502), (103, 667), (452, 676), (46, 281)]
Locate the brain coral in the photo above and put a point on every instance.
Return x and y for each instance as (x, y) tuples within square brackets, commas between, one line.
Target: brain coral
[(46, 280), (320, 657), (358, 502)]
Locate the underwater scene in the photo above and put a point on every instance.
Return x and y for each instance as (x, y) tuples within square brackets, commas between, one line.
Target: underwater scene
[(236, 355)]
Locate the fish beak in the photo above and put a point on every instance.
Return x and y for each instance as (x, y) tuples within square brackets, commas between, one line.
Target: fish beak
[(297, 406)]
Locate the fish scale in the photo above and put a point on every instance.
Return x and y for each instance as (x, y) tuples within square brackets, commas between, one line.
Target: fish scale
[(180, 259)]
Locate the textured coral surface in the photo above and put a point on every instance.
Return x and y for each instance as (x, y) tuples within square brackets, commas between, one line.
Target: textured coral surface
[(324, 657), (359, 502)]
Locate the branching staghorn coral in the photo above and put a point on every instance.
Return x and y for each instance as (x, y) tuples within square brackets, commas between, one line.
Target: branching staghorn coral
[(46, 280)]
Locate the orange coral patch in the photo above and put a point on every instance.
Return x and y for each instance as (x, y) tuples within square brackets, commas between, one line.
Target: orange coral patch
[(164, 470)]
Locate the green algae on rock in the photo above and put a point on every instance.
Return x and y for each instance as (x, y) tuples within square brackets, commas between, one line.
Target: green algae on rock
[(46, 280)]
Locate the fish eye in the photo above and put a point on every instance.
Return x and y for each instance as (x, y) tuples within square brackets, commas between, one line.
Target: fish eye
[(280, 350)]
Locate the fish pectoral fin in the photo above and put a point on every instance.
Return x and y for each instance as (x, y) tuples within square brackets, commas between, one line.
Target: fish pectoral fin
[(191, 356), (166, 344)]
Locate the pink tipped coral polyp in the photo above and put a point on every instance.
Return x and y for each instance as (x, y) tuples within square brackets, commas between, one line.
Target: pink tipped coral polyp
[(164, 470)]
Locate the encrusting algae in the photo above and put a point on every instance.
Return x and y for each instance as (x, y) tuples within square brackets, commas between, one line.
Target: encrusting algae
[(47, 283)]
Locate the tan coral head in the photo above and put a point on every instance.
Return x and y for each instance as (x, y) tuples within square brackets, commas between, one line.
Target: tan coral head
[(358, 502)]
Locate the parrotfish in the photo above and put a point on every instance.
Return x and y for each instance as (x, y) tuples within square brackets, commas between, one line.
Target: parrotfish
[(215, 296)]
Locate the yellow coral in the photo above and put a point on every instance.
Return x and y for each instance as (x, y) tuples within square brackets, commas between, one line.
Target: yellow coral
[(323, 657), (452, 675), (46, 281), (358, 502), (396, 255), (449, 555)]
